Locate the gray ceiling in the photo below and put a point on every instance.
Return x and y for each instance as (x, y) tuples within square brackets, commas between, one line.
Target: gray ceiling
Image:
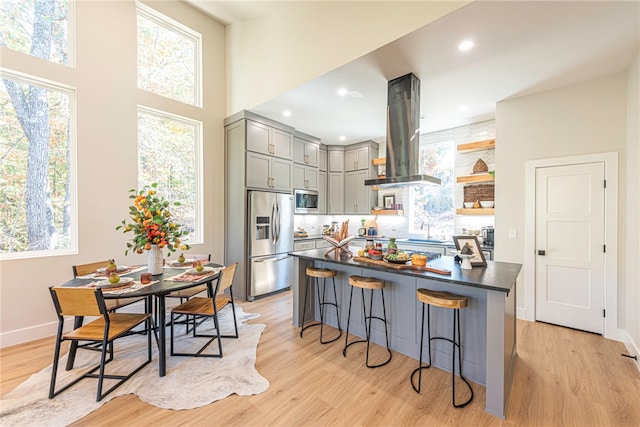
[(520, 48)]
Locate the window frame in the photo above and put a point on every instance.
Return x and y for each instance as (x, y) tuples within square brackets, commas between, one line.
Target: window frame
[(25, 78), (412, 213), (197, 237), (71, 39), (175, 26)]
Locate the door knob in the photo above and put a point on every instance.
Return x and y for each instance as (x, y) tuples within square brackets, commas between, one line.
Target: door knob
[(543, 253)]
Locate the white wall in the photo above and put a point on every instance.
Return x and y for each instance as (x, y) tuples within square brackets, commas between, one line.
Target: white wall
[(105, 78), (299, 41), (631, 254), (584, 118)]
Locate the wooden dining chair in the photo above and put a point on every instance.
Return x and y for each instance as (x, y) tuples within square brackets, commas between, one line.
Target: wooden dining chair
[(112, 304), (209, 307), (185, 294), (104, 330)]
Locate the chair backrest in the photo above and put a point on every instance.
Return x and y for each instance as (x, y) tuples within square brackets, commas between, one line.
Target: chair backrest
[(84, 269), (78, 301), (226, 277)]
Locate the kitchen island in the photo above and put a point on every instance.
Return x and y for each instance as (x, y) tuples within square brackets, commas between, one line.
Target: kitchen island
[(487, 323)]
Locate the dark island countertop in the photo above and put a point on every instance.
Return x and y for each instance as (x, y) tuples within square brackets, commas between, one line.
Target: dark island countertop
[(496, 276)]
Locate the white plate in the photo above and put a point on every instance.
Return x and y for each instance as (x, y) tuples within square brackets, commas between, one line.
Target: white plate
[(187, 262), (119, 268), (195, 272), (106, 284)]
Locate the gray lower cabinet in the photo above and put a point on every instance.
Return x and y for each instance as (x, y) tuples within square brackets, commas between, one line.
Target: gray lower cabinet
[(322, 192), (305, 177), (357, 196), (422, 248), (335, 191), (303, 245), (321, 243), (264, 171)]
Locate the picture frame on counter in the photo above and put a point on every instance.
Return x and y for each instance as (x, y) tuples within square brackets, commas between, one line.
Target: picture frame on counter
[(389, 201), (478, 259)]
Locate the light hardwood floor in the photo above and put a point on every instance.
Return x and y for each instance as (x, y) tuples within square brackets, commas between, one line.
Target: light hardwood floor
[(563, 378)]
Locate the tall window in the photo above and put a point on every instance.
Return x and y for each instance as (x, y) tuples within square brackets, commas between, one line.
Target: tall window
[(433, 210), (169, 150), (168, 57), (170, 142), (39, 28), (37, 116)]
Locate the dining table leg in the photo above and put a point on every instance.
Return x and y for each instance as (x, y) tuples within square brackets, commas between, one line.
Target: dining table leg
[(162, 347), (73, 347)]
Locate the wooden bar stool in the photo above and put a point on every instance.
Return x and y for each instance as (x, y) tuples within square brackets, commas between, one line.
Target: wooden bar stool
[(317, 274), (371, 284), (445, 300)]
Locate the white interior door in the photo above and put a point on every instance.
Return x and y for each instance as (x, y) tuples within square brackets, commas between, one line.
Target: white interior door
[(570, 246)]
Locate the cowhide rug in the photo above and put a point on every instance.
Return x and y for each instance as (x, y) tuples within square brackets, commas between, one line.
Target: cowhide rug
[(190, 382)]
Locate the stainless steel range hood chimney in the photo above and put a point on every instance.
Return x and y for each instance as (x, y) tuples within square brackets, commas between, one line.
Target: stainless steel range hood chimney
[(403, 135)]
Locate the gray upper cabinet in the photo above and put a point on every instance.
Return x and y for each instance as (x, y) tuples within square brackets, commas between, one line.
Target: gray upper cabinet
[(305, 177), (358, 198), (268, 172), (336, 159), (322, 158), (322, 192), (269, 140), (305, 152), (356, 159), (335, 193)]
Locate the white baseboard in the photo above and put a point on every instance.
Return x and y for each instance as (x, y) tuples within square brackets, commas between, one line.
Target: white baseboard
[(521, 313), (633, 348), (21, 336)]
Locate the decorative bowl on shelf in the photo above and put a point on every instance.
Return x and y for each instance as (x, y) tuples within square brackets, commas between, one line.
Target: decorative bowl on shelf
[(487, 204), (468, 205)]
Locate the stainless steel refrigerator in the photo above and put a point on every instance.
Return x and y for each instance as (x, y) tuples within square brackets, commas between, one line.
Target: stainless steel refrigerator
[(269, 240)]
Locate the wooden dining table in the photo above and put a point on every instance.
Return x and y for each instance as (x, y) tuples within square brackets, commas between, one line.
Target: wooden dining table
[(161, 287)]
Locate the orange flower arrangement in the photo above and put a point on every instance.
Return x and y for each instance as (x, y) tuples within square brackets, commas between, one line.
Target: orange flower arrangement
[(151, 222)]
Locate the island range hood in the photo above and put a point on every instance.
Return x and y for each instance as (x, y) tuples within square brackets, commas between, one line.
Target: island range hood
[(403, 136)]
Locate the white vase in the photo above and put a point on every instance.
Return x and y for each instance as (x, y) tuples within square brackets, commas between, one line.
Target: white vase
[(154, 265)]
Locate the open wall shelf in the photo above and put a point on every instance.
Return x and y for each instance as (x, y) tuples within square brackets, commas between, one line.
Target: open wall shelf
[(476, 211), (485, 177), (477, 146)]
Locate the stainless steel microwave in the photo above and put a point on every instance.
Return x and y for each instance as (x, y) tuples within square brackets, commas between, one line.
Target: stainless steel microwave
[(306, 201)]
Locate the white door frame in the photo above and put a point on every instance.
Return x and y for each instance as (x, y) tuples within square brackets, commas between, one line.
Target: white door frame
[(610, 161)]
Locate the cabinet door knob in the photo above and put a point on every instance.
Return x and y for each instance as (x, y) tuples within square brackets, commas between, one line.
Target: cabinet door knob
[(542, 253)]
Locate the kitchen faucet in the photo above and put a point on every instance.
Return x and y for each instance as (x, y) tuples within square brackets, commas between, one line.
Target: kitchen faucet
[(428, 229)]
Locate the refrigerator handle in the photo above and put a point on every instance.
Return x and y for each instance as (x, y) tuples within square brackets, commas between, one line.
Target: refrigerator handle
[(273, 224), (278, 222)]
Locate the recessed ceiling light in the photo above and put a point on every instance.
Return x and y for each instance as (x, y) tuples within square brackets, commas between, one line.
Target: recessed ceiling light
[(465, 45), (286, 113), (463, 108), (342, 138), (343, 91)]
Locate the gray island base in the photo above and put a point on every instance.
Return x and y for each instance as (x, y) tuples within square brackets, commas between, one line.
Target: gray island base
[(488, 323)]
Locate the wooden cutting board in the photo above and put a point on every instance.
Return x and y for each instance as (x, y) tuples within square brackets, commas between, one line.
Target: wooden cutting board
[(402, 266)]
